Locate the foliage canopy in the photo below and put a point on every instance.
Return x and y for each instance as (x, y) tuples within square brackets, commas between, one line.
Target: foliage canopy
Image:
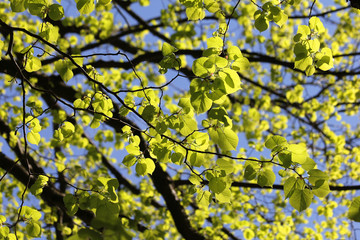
[(193, 119)]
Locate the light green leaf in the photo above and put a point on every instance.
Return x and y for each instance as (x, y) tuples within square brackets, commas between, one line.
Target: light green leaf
[(275, 141), (266, 178), (167, 49), (150, 165), (217, 184), (215, 42), (71, 204), (224, 196), (194, 179), (195, 13), (225, 137), (33, 137), (212, 5), (231, 80), (298, 153), (291, 184), (308, 164), (37, 7), (226, 164), (200, 70), (200, 102), (32, 64), (240, 64), (187, 125), (33, 229), (303, 63), (37, 188), (30, 213), (316, 24), (301, 199), (67, 129), (203, 198), (64, 69), (234, 53), (325, 60)]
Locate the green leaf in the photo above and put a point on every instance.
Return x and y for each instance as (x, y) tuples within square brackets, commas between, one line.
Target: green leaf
[(33, 137), (149, 113), (217, 184), (298, 153), (275, 141), (240, 64), (308, 164), (195, 13), (200, 102), (161, 127), (319, 182), (234, 53), (33, 229), (30, 213), (37, 7), (110, 184), (302, 33), (261, 23), (203, 198), (32, 64), (37, 188), (303, 63), (187, 125), (141, 168), (129, 160), (177, 158), (194, 179), (104, 2), (71, 204), (325, 60), (212, 5), (200, 70), (266, 178), (285, 158), (231, 80), (225, 137), (226, 164), (291, 184), (64, 69), (215, 42), (49, 33), (85, 6), (17, 5), (301, 199), (354, 210), (224, 196), (321, 189), (67, 129), (150, 165), (56, 12), (316, 24), (250, 172), (167, 49)]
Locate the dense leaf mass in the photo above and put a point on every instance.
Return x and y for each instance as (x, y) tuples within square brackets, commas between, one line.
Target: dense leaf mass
[(182, 119)]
